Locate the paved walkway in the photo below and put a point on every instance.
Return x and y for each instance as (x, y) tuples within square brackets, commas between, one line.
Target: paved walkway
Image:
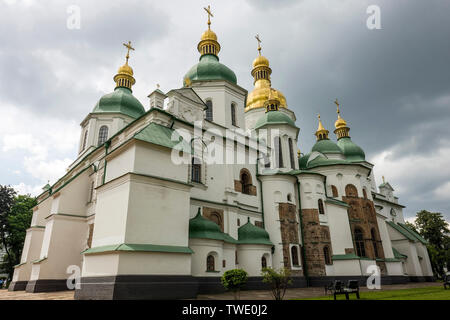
[(245, 295)]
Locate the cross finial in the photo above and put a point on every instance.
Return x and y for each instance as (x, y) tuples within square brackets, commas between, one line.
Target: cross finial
[(157, 86), (383, 179), (259, 43), (129, 47), (208, 11), (337, 104)]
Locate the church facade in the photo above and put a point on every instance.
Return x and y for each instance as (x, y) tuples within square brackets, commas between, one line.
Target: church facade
[(143, 212)]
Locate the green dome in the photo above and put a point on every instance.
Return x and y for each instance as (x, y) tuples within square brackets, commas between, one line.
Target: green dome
[(351, 151), (120, 101), (251, 234), (326, 146), (274, 117), (202, 228), (209, 68), (303, 161), (320, 160)]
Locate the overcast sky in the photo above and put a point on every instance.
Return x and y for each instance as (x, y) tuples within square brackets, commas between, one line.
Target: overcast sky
[(393, 83)]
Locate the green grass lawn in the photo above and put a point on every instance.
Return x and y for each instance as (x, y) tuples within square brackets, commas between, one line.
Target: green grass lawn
[(428, 293)]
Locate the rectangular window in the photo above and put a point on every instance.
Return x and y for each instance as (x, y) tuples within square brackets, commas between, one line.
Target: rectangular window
[(291, 153), (233, 114), (279, 152), (196, 170)]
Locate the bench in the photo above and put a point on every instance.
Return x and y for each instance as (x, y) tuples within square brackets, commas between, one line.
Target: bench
[(338, 288)]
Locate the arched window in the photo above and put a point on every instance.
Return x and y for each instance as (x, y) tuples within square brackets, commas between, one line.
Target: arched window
[(320, 205), (289, 197), (84, 140), (291, 153), (294, 254), (326, 254), (196, 169), (359, 243), (214, 217), (246, 181), (263, 262), (364, 194), (334, 191), (233, 114), (351, 191), (209, 110), (374, 242), (210, 263), (102, 135), (278, 152)]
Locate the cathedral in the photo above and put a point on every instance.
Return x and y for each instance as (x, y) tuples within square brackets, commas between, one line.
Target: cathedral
[(143, 212)]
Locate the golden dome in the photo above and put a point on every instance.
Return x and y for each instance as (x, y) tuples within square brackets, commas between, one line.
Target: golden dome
[(260, 61), (208, 42), (260, 95), (209, 35), (126, 69), (124, 77), (340, 122), (262, 92)]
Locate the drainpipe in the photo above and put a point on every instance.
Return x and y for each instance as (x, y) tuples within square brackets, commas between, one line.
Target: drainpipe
[(305, 268), (107, 144)]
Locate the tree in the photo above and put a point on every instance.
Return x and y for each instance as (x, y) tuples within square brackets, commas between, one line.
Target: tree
[(278, 280), (433, 227), (6, 202), (19, 221), (15, 218), (234, 280)]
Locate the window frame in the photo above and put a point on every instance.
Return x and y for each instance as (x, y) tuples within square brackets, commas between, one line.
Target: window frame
[(100, 140)]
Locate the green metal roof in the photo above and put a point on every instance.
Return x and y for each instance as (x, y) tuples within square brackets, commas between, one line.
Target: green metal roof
[(202, 228), (351, 151), (337, 202), (324, 161), (401, 230), (398, 255), (251, 234), (209, 68), (349, 256), (120, 101), (163, 136), (326, 146), (415, 234), (138, 247), (274, 117)]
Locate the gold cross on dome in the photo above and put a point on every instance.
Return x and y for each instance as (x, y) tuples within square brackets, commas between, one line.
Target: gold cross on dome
[(259, 43), (337, 104), (208, 11), (129, 47)]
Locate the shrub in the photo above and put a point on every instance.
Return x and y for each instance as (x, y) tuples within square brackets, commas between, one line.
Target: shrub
[(234, 280), (278, 280)]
